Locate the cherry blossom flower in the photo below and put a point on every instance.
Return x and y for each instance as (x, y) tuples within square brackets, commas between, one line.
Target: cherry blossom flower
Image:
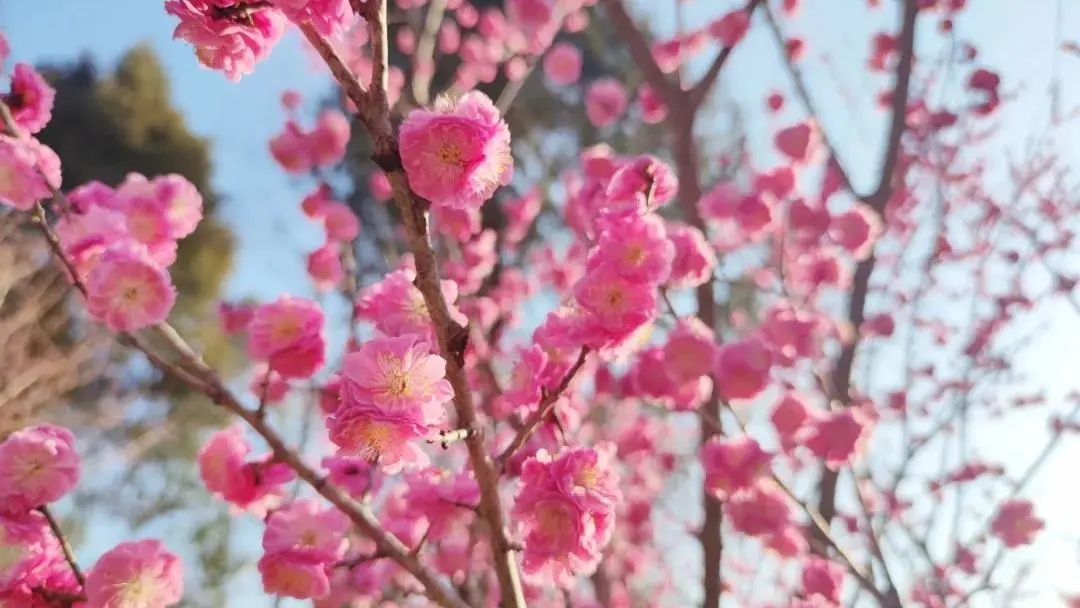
[(231, 38), (732, 465), (127, 290), (137, 573), (396, 373), (605, 102), (28, 171), (458, 153), (38, 465), (288, 335), (1015, 523), (30, 99), (742, 369), (562, 64)]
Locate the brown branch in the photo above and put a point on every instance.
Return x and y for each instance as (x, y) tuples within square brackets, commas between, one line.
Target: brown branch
[(804, 95), (841, 376), (639, 50), (374, 114), (544, 410), (700, 92), (65, 546)]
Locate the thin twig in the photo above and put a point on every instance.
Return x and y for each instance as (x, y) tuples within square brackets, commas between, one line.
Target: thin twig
[(543, 411), (69, 554)]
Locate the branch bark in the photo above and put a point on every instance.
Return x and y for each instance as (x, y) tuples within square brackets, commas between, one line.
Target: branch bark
[(373, 111), (841, 376)]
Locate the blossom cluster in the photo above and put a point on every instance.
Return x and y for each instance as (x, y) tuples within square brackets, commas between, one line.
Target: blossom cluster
[(122, 241), (566, 508), (253, 485), (39, 466), (233, 35), (29, 170), (302, 543)]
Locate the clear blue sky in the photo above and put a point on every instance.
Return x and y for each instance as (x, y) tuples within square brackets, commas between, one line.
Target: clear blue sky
[(262, 201)]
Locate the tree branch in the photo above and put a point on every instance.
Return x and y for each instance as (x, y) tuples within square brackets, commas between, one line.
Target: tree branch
[(639, 50), (841, 376), (374, 114), (700, 92), (543, 411), (65, 546)]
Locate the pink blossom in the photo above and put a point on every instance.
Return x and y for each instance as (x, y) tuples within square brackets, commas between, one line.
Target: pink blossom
[(690, 351), (397, 373), (307, 527), (694, 258), (562, 64), (137, 573), (27, 549), (807, 222), (457, 154), (232, 41), (790, 415), (763, 510), (21, 184), (38, 465), (730, 28), (340, 222), (355, 475), (89, 195), (292, 149), (30, 99), (520, 213), (824, 578), (388, 439), (798, 142), (742, 369), (226, 472), (147, 223), (288, 334), (653, 108), (559, 538), (379, 186), (234, 318), (856, 230), (328, 17), (1015, 523), (605, 101), (325, 268), (438, 496), (536, 20), (296, 574), (128, 291), (614, 307), (838, 438), (180, 201), (458, 224), (641, 184), (566, 508), (792, 333), (636, 248), (882, 324), (331, 134), (733, 465), (396, 307)]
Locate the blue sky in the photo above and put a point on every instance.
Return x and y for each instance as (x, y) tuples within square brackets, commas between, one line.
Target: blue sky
[(262, 202)]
